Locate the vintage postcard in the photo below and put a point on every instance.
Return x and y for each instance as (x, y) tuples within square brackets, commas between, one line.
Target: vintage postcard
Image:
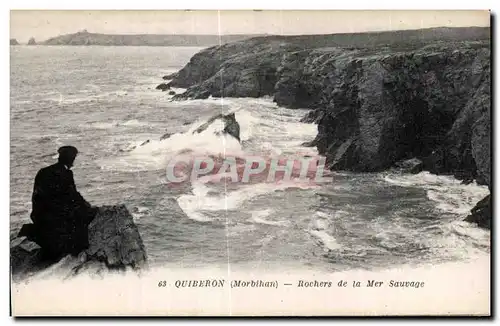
[(250, 163)]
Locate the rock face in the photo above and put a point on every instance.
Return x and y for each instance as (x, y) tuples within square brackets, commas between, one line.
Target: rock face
[(114, 241), (240, 69), (481, 213), (378, 98)]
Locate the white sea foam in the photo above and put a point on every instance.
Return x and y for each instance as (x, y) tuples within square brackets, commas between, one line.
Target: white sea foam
[(134, 123), (326, 239), (139, 211), (200, 200), (449, 193), (259, 217), (114, 124), (320, 228)]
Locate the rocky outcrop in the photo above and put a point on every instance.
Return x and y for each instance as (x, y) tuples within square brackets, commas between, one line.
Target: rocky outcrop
[(481, 213), (32, 41), (115, 243), (163, 87), (241, 69), (13, 41), (231, 126), (115, 240)]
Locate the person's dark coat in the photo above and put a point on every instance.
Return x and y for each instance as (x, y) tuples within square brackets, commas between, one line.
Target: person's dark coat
[(60, 214)]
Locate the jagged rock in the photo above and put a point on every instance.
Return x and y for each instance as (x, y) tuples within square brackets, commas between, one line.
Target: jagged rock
[(420, 104), (32, 41), (481, 213), (114, 241), (13, 41), (413, 165), (231, 126), (163, 87), (239, 69), (166, 136)]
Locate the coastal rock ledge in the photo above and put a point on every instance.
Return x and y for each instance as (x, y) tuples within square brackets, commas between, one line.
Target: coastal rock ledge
[(377, 98)]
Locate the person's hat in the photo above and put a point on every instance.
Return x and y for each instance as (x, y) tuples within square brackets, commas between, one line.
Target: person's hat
[(67, 151)]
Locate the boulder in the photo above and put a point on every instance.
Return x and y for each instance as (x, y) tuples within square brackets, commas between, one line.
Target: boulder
[(481, 213), (115, 240), (163, 87), (171, 93)]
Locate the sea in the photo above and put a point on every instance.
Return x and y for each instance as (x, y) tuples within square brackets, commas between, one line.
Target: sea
[(103, 101)]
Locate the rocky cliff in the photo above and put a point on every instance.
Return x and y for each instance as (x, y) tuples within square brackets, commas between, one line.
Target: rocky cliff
[(390, 100)]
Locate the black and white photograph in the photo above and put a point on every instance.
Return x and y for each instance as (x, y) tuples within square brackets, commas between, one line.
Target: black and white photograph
[(250, 162)]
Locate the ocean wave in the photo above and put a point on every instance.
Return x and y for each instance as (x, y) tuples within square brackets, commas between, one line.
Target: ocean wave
[(259, 218), (114, 124), (328, 242), (201, 200)]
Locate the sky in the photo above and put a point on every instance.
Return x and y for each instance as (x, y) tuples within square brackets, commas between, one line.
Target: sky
[(43, 24)]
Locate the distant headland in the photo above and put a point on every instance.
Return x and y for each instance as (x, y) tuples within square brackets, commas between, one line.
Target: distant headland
[(85, 38)]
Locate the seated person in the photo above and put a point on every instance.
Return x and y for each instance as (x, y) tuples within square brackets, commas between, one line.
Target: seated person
[(60, 215)]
